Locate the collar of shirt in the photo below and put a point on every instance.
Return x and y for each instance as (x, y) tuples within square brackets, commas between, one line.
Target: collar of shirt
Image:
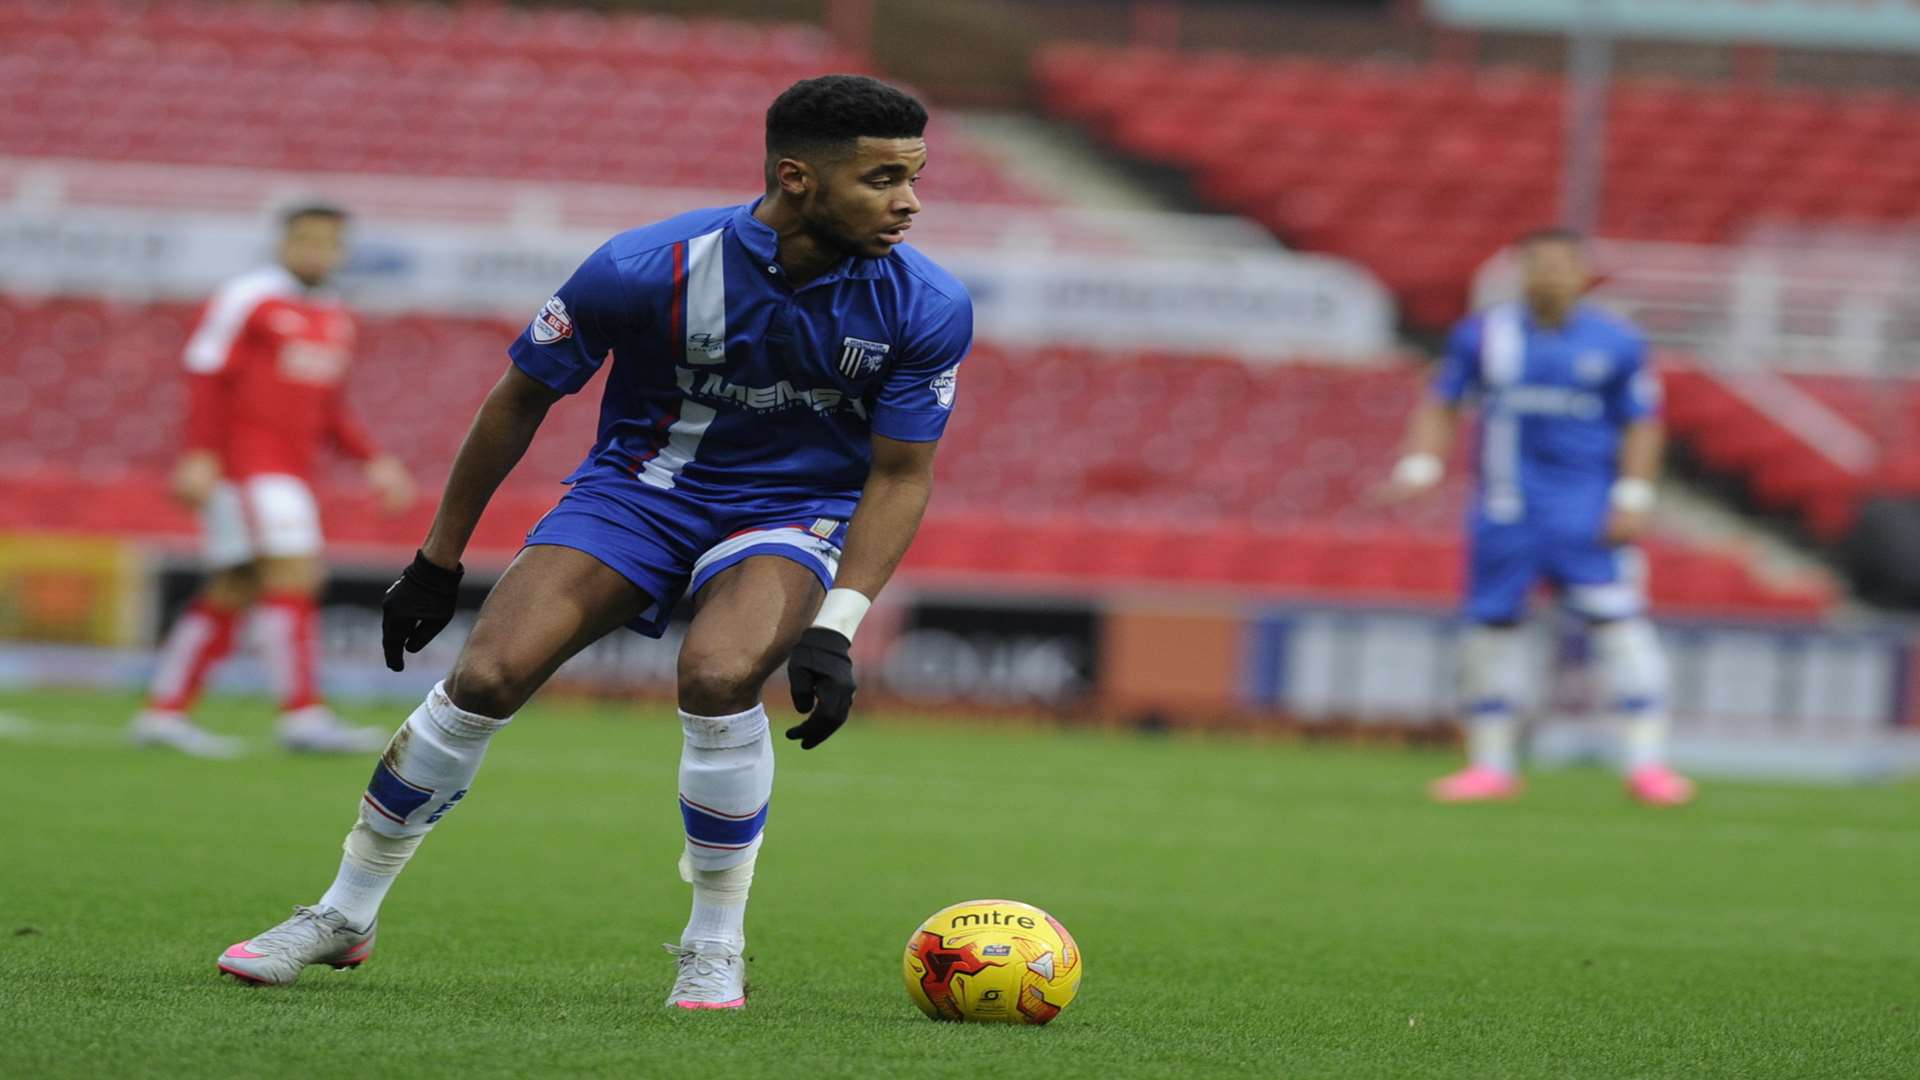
[(763, 245), (1532, 325)]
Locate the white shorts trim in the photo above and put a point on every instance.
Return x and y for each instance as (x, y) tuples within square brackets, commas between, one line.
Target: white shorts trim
[(1625, 596), (808, 548), (268, 516)]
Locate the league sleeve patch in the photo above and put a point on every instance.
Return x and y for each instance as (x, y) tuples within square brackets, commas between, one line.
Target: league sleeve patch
[(552, 324), (944, 385)]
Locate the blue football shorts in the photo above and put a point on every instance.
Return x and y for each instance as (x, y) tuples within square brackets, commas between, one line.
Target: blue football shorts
[(670, 543), (1595, 579)]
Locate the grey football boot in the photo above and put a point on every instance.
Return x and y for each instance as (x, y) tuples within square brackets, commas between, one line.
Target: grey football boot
[(312, 936), (710, 977)]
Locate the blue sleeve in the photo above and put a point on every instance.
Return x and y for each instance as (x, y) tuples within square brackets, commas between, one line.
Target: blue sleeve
[(917, 397), (1634, 392), (571, 333), (1459, 373)]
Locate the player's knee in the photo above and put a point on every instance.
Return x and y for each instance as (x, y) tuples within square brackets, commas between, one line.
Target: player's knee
[(719, 683), (488, 685), (294, 574), (232, 588)]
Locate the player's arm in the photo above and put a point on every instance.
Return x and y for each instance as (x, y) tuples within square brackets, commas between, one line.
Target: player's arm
[(209, 360), (1635, 402), (496, 441), (198, 468), (910, 414), (1431, 429), (555, 356), (891, 506), (421, 603), (384, 472)]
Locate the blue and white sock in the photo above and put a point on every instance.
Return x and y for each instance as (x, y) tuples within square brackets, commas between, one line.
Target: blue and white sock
[(726, 779), (1633, 669), (419, 779)]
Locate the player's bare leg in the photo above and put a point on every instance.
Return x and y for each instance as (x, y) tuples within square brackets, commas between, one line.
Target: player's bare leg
[(199, 640), (746, 621), (551, 603)]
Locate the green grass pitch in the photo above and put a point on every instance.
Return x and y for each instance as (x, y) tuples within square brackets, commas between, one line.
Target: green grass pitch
[(1246, 908)]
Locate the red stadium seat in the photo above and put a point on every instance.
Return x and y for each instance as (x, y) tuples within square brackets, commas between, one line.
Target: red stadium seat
[(1201, 471), (410, 88), (1315, 150)]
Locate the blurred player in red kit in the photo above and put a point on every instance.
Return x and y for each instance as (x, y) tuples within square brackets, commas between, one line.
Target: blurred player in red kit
[(266, 370)]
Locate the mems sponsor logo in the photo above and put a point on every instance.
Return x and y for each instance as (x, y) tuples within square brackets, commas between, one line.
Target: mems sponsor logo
[(714, 388), (1551, 401)]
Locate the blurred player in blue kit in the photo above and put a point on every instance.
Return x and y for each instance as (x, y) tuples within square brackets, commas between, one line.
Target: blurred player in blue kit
[(1568, 454), (782, 372)]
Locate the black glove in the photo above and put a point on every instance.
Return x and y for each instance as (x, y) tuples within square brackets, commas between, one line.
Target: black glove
[(417, 607), (821, 673)]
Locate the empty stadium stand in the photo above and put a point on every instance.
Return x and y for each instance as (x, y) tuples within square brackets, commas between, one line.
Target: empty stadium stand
[(1069, 465), (479, 90), (1420, 171), (1782, 470)]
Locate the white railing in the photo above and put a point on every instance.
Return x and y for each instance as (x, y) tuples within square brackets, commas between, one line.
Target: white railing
[(1813, 301)]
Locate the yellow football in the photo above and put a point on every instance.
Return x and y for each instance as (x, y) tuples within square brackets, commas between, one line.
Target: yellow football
[(992, 961)]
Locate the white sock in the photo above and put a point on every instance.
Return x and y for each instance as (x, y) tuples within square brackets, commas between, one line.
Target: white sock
[(726, 780), (424, 773), (1493, 674), (1491, 740), (1633, 670), (368, 868), (1643, 740), (719, 903)]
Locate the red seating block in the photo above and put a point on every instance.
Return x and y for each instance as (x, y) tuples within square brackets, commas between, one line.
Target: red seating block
[(1129, 468), (477, 90), (1318, 151)]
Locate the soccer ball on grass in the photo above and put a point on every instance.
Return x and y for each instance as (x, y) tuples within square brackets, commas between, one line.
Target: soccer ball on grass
[(993, 961)]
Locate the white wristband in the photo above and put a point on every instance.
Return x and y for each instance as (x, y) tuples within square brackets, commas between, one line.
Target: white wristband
[(842, 611), (1418, 471), (1633, 494)]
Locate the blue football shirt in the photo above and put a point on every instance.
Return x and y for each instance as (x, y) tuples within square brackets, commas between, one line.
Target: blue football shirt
[(727, 382), (1553, 404)]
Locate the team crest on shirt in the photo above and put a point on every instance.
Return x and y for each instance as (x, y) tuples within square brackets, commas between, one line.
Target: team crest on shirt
[(944, 385), (1592, 367), (859, 356), (552, 324)]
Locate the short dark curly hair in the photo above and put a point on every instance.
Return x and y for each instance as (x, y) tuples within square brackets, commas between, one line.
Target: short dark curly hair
[(823, 115), (312, 209)]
